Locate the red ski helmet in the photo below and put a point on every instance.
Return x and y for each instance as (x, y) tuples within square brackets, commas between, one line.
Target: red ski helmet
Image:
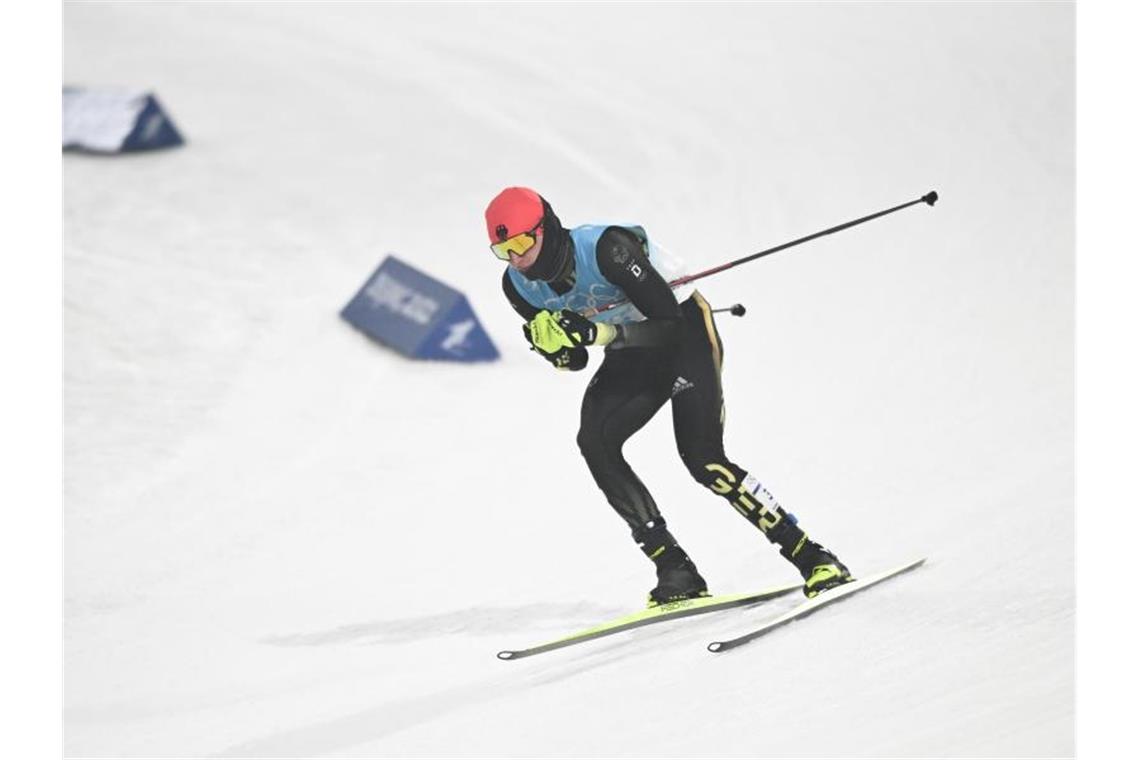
[(512, 212), (520, 211)]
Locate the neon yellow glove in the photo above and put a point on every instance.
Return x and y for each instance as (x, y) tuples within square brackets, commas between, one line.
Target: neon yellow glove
[(546, 334), (549, 341), (584, 332)]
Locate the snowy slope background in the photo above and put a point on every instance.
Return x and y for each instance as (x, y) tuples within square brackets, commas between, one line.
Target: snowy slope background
[(282, 540)]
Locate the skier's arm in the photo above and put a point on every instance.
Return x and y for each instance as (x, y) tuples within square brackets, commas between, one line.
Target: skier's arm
[(623, 262)]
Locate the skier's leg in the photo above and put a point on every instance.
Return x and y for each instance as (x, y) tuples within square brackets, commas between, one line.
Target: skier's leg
[(627, 390), (698, 424), (623, 395)]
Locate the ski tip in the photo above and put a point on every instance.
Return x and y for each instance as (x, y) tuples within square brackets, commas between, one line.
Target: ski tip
[(506, 655), (715, 646)]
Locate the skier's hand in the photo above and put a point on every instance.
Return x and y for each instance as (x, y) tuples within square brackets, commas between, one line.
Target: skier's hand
[(572, 359), (548, 341), (581, 331), (546, 334)]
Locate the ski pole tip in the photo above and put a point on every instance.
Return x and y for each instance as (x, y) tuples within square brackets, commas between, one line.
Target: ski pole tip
[(930, 197), (737, 310)]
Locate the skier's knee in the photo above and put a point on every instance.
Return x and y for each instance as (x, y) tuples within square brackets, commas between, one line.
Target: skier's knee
[(712, 472), (699, 474), (590, 442), (720, 477)]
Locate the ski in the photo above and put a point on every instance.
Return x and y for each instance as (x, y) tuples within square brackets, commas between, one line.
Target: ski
[(660, 614), (811, 605)]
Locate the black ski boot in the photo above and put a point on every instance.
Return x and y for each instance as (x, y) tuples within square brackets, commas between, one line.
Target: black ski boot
[(677, 578), (820, 569)]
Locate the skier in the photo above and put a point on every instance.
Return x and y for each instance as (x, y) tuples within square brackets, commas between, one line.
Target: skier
[(656, 349)]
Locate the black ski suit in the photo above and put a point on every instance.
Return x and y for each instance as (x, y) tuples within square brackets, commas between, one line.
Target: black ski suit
[(674, 354)]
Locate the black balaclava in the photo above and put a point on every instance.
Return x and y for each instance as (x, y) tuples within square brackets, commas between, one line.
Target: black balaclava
[(557, 257)]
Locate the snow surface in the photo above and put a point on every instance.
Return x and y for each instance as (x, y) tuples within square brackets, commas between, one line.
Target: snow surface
[(282, 540)]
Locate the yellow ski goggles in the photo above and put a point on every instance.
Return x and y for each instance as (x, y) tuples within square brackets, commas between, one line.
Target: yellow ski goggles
[(517, 245)]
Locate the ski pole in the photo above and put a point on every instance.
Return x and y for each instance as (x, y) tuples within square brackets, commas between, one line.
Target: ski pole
[(928, 199)]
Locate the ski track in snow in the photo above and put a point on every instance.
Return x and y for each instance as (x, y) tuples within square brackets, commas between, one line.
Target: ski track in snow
[(283, 541)]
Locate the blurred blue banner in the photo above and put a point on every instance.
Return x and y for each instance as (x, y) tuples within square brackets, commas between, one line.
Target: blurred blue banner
[(418, 315), (115, 121)]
